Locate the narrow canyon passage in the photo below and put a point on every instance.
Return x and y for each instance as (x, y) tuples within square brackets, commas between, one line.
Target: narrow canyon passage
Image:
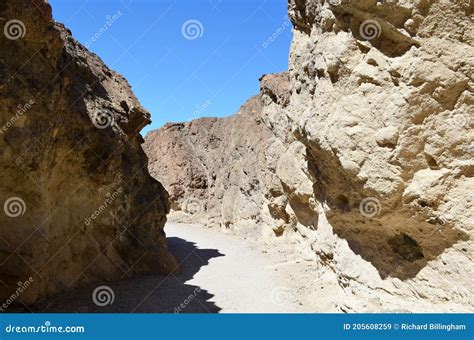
[(219, 273)]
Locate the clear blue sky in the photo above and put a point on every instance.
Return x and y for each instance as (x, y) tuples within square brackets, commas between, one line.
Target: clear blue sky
[(175, 78)]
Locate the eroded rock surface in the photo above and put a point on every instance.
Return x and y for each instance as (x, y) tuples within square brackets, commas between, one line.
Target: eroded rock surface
[(381, 97), (78, 202), (219, 171)]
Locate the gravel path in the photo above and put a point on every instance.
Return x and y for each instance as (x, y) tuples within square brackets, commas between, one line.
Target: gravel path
[(244, 278), (221, 273)]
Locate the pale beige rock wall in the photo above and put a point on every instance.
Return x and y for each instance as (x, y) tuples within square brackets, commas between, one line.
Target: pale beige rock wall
[(385, 116)]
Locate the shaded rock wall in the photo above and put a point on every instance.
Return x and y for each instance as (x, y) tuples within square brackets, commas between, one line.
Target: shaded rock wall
[(78, 202)]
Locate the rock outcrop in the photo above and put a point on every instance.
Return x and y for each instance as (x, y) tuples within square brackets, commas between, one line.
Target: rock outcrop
[(78, 202)]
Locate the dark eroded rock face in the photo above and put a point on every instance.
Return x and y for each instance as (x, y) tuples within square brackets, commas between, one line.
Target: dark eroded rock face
[(78, 202)]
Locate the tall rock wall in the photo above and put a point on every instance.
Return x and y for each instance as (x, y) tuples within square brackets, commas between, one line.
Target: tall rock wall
[(381, 97), (78, 204)]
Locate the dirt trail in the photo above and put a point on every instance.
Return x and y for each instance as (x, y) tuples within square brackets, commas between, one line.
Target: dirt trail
[(246, 278), (220, 273)]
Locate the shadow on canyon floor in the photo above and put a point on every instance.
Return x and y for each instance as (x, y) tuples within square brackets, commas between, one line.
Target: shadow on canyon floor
[(146, 294)]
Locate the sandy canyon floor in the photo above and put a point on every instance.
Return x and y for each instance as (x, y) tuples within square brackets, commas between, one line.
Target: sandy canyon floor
[(220, 272)]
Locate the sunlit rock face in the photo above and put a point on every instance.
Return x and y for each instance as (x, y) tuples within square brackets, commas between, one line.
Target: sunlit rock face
[(78, 204), (219, 171), (381, 98)]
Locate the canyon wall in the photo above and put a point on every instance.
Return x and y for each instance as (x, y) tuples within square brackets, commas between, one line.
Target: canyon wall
[(219, 171), (78, 203), (381, 96), (365, 153)]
